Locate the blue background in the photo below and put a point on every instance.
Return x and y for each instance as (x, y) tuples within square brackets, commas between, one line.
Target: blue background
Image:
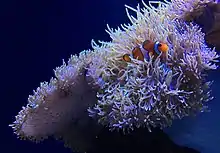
[(37, 35)]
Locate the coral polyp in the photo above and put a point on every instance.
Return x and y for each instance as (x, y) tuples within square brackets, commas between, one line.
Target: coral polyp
[(155, 83)]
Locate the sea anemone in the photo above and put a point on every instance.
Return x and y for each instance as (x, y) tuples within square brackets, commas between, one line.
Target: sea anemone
[(146, 94), (126, 95)]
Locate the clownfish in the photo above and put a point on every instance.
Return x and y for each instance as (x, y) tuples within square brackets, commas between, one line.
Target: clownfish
[(136, 54), (155, 48)]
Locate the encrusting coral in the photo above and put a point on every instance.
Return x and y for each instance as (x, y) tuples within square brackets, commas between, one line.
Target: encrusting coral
[(127, 95)]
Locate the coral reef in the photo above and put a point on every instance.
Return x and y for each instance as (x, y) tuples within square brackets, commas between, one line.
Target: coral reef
[(126, 95)]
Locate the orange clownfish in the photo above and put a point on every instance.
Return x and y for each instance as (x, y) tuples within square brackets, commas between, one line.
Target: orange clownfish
[(155, 48), (136, 53)]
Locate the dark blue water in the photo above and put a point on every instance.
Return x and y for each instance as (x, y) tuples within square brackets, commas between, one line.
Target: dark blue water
[(37, 35)]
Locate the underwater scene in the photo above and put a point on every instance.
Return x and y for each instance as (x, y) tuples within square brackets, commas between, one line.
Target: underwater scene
[(111, 76)]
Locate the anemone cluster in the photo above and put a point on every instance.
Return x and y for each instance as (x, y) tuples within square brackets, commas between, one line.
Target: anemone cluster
[(147, 93), (126, 95)]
